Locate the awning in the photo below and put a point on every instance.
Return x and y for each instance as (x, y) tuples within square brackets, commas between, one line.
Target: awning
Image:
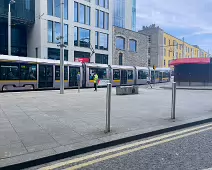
[(190, 61)]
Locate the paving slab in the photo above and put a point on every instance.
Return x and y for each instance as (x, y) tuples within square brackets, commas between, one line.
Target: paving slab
[(44, 123)]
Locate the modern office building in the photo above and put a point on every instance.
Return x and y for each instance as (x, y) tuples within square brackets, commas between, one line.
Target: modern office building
[(124, 14), (87, 30), (22, 21), (165, 48)]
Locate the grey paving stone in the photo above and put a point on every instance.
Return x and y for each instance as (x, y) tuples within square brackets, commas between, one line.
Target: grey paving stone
[(69, 138), (34, 138), (12, 150), (45, 146), (26, 157), (77, 145)]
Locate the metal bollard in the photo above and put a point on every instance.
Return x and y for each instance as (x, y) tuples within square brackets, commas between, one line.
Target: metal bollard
[(78, 86), (108, 107), (173, 100)]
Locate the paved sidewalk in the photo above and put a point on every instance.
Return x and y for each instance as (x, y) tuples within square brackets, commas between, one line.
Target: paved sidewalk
[(42, 123)]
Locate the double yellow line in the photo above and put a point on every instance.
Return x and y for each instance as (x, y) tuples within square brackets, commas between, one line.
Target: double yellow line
[(126, 149)]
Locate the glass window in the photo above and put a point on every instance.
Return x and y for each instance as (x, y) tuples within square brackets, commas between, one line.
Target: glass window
[(9, 71), (130, 74), (50, 31), (119, 13), (66, 34), (106, 21), (57, 73), (88, 11), (97, 40), (116, 74), (101, 19), (149, 50), (164, 41), (107, 4), (75, 11), (76, 36), (57, 8), (142, 74), (28, 72), (82, 14), (97, 18), (103, 41), (54, 54), (120, 59), (164, 52), (133, 45), (101, 59), (65, 9), (27, 4), (84, 37), (57, 32), (102, 3), (97, 2), (50, 7), (120, 43), (101, 72)]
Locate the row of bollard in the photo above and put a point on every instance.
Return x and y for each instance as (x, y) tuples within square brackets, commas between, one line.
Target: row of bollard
[(108, 104)]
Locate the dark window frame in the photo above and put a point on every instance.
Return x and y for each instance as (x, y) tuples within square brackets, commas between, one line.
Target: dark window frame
[(57, 69), (8, 65), (118, 75)]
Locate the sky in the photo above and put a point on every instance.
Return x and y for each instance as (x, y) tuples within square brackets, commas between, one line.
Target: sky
[(190, 19)]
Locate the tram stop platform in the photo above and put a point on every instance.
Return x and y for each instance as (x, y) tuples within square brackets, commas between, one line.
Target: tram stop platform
[(44, 123)]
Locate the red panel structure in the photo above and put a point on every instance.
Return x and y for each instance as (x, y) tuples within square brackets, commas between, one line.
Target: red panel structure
[(190, 61)]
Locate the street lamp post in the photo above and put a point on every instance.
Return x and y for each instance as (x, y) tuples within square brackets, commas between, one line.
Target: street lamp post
[(9, 27), (62, 48)]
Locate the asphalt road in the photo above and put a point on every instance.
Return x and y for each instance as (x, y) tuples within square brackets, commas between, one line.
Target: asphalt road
[(189, 149)]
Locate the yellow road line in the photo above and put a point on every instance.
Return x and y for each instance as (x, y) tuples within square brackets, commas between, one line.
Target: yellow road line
[(134, 150), (121, 148)]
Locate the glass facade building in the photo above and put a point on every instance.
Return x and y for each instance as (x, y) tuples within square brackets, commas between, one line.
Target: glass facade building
[(22, 18), (134, 15), (124, 14), (119, 13)]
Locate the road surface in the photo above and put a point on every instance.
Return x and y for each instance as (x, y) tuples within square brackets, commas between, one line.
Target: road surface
[(187, 149)]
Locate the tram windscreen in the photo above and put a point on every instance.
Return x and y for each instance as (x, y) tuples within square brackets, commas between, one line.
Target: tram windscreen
[(101, 72)]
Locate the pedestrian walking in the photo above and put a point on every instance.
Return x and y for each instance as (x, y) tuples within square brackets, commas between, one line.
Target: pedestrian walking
[(149, 81), (78, 81), (95, 81)]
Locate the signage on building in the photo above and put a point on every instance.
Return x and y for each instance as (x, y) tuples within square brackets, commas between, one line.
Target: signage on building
[(82, 60)]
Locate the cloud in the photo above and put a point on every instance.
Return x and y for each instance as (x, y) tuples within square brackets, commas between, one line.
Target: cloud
[(184, 18)]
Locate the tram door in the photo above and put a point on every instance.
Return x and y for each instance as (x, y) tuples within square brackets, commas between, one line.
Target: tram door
[(152, 76), (45, 76), (161, 76), (73, 76), (123, 77)]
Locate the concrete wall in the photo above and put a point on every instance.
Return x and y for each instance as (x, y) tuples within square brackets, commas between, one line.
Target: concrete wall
[(138, 58), (156, 44)]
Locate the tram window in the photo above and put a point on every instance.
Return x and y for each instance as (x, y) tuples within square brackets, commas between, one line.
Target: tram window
[(130, 74), (142, 74), (116, 74), (156, 74), (9, 71), (101, 72), (28, 72), (57, 73), (166, 74)]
